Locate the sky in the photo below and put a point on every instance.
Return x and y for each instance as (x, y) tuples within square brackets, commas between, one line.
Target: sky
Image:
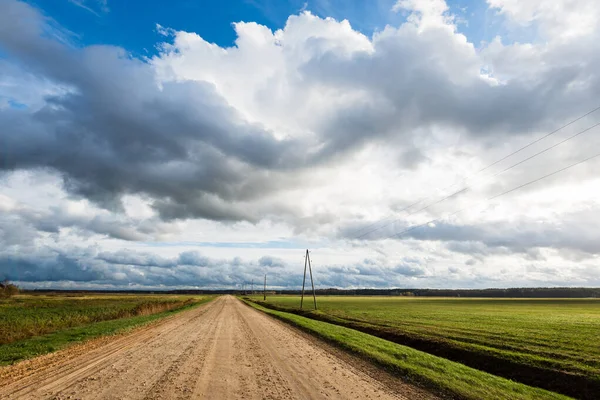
[(406, 143)]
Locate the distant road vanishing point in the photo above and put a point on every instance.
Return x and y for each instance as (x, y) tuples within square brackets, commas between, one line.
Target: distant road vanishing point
[(221, 350)]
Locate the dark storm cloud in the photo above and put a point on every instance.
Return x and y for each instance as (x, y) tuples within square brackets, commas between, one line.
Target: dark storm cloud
[(125, 257), (22, 225), (104, 123), (414, 80), (113, 130), (120, 268), (195, 258), (88, 267), (52, 268), (141, 259), (14, 232), (409, 270), (574, 234), (271, 262), (116, 131), (123, 268), (525, 238)]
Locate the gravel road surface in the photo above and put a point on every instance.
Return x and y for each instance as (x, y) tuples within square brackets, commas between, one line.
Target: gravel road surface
[(221, 350)]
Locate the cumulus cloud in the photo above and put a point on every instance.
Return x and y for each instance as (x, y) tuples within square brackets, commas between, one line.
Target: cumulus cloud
[(315, 126), (271, 262), (205, 129), (188, 269), (561, 18), (518, 237)]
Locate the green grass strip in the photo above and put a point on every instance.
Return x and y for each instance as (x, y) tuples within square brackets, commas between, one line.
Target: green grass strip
[(435, 373), (38, 345)]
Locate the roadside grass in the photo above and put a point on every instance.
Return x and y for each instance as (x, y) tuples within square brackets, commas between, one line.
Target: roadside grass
[(136, 311), (442, 376), (25, 316), (550, 343)]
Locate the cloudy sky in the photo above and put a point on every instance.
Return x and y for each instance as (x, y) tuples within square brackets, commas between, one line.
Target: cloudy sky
[(188, 144)]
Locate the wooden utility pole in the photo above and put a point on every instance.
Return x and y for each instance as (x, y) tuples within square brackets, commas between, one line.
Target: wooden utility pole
[(312, 282), (307, 262), (252, 288), (304, 278), (265, 289)]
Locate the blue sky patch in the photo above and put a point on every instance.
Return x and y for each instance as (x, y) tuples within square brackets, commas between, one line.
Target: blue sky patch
[(131, 24), (15, 104)]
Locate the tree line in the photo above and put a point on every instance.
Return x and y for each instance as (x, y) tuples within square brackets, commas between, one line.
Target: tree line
[(537, 292)]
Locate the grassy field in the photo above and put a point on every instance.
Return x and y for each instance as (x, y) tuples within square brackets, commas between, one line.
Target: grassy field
[(31, 325), (451, 379), (552, 343)]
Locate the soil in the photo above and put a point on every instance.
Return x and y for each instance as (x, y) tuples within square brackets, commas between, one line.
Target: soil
[(221, 350)]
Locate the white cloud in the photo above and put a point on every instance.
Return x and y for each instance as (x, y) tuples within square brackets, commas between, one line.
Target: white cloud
[(299, 138), (96, 7), (426, 13), (561, 20)]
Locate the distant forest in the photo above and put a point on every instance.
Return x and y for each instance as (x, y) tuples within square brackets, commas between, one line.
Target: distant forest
[(555, 292), (562, 292)]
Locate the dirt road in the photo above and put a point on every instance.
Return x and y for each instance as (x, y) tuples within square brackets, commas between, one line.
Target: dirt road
[(223, 350)]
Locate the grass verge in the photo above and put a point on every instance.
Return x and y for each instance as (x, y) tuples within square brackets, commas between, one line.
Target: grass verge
[(437, 374), (546, 343), (26, 316), (38, 345)]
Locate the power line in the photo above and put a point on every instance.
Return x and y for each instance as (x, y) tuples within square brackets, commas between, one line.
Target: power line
[(495, 196), (481, 170), (539, 140), (388, 217), (549, 148), (467, 187)]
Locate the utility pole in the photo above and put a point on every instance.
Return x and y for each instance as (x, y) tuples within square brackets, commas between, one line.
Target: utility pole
[(312, 282), (307, 262), (265, 289), (304, 278), (252, 290)]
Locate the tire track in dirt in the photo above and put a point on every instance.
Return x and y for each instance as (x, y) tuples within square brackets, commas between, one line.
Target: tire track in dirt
[(182, 374), (144, 335), (149, 362), (311, 371), (41, 385), (238, 350), (272, 382), (221, 350)]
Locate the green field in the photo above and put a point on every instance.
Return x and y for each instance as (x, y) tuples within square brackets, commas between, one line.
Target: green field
[(447, 378), (552, 343), (31, 325)]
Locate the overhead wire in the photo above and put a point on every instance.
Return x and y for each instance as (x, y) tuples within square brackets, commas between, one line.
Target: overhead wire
[(495, 196), (467, 187), (479, 171), (540, 139)]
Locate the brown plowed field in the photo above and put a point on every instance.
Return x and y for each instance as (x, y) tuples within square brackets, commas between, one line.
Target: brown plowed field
[(222, 350)]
